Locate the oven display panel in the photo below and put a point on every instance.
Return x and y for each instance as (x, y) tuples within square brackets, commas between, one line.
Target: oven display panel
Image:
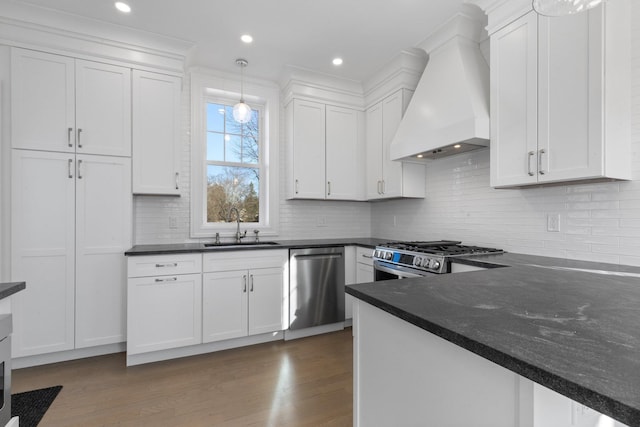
[(403, 258)]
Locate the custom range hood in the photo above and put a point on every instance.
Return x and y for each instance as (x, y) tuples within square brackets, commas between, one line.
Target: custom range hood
[(449, 111)]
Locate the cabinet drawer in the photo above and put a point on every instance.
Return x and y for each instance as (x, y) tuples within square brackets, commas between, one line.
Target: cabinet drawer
[(364, 255), (159, 265), (244, 259)]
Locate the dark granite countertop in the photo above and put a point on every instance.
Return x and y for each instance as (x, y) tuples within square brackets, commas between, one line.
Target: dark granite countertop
[(282, 244), (571, 326), (10, 288)]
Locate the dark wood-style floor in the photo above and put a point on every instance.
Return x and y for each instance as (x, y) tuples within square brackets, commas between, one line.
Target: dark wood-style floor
[(305, 382)]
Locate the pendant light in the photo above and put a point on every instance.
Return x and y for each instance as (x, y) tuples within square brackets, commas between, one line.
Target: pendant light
[(563, 7), (242, 111)]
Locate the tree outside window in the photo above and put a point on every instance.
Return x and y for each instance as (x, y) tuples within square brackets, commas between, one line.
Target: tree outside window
[(233, 165)]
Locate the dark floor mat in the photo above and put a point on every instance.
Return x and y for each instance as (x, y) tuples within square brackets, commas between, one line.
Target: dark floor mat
[(31, 406)]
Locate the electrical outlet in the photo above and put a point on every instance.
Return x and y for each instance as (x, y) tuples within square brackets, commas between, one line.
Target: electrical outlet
[(395, 221), (321, 221), (173, 222), (553, 222)]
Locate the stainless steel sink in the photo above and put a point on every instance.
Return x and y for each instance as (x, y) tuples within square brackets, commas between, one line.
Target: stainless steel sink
[(238, 245)]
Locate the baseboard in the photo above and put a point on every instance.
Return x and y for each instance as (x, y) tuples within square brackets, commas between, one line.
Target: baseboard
[(314, 330), (174, 353), (63, 356)]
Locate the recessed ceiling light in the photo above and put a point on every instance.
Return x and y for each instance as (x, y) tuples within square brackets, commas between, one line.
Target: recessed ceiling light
[(123, 7), (420, 156), (457, 146), (246, 38), (337, 61)]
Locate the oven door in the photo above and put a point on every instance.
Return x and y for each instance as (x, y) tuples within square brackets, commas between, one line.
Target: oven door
[(387, 271)]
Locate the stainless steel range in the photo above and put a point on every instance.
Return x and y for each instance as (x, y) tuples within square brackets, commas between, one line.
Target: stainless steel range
[(397, 260)]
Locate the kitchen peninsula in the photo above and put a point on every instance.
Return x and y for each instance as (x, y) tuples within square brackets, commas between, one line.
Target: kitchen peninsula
[(485, 342)]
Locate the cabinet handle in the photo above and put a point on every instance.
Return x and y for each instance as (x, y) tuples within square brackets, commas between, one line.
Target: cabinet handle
[(530, 155), (328, 188), (540, 153), (79, 170), (69, 132), (367, 256), (384, 186), (79, 143), (170, 264), (177, 175), (70, 171), (168, 279), (296, 189), (379, 187), (244, 279), (251, 289)]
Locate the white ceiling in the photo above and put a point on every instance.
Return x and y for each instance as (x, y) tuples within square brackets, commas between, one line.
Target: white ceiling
[(302, 33)]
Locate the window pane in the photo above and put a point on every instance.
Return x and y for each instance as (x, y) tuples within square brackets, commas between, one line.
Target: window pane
[(234, 148), (250, 150), (233, 187), (215, 117), (215, 146), (231, 125)]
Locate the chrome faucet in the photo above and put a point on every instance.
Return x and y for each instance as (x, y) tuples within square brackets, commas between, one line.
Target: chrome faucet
[(239, 236)]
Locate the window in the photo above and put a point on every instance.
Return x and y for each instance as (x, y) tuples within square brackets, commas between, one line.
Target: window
[(234, 166)]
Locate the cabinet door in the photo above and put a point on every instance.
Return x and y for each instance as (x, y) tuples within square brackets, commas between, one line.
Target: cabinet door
[(103, 109), (266, 296), (514, 103), (42, 248), (308, 150), (364, 273), (156, 133), (344, 154), (103, 233), (374, 152), (42, 101), (392, 109), (224, 305), (569, 75), (164, 312)]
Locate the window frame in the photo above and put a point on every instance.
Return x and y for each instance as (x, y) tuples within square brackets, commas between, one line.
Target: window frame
[(209, 87)]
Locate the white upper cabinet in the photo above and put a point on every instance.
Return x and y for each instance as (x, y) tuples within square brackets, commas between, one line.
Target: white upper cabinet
[(326, 151), (103, 109), (306, 122), (386, 178), (156, 133), (344, 153), (68, 105), (559, 98)]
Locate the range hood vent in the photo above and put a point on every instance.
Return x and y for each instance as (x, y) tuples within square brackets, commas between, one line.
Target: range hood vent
[(449, 111)]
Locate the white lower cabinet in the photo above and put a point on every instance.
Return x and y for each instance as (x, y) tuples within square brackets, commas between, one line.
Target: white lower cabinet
[(71, 223), (363, 273), (239, 302), (164, 310), (188, 299)]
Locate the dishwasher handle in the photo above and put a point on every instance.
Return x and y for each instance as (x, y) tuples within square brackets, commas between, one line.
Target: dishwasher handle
[(317, 256)]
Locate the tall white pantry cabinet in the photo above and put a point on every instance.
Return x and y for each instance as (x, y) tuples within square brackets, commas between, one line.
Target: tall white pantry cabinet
[(71, 203)]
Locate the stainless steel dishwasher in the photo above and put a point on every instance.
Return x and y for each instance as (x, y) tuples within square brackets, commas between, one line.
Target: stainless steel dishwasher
[(316, 286)]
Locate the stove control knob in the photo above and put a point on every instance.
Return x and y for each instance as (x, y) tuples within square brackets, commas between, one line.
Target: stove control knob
[(417, 261), (388, 256), (376, 254), (434, 264)]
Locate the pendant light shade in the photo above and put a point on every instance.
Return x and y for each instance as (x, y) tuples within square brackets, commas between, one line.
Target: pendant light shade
[(242, 111), (563, 7)]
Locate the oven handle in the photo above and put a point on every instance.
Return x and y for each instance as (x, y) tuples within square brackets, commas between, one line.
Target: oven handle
[(378, 265)]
